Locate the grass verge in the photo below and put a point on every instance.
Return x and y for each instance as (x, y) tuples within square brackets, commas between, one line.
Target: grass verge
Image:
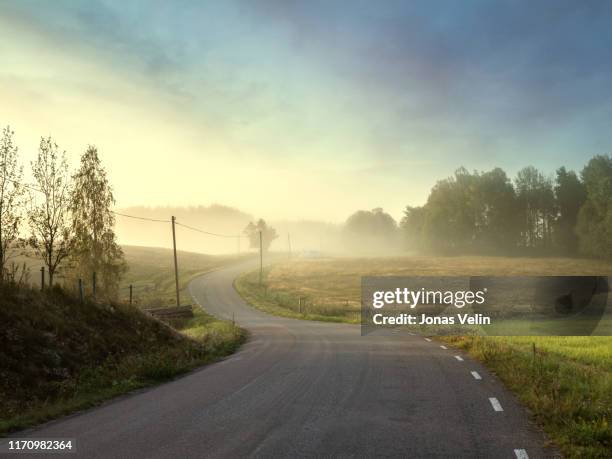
[(565, 382), (288, 303)]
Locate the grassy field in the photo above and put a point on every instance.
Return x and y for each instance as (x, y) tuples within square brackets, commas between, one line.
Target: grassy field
[(58, 355), (566, 383), (151, 272)]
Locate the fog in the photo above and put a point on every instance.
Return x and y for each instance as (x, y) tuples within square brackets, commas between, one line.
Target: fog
[(308, 238), (218, 219)]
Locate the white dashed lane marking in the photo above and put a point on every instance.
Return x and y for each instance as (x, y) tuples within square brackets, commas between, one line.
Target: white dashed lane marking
[(521, 454), (476, 375), (458, 357), (495, 404), (427, 339), (443, 347)]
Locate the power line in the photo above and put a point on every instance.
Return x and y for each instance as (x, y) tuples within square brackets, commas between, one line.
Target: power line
[(29, 187), (180, 224), (136, 217), (141, 218), (208, 232)]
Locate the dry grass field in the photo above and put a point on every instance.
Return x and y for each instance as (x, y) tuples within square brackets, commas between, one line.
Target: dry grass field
[(331, 288), (339, 277)]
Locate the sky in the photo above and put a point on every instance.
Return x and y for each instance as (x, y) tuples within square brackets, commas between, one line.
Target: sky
[(309, 109)]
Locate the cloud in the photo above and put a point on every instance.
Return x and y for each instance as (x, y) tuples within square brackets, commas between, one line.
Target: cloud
[(393, 88), (498, 65)]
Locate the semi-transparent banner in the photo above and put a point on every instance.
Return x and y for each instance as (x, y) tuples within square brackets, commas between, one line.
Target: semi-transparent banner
[(494, 306)]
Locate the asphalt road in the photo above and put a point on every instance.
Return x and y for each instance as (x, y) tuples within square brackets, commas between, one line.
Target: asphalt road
[(301, 388)]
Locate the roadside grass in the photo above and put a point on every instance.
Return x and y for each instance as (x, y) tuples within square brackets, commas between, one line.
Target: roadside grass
[(58, 355), (151, 272), (220, 337), (567, 388), (293, 304), (566, 383)]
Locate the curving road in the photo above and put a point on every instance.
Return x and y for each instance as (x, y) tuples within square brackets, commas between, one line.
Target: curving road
[(300, 388)]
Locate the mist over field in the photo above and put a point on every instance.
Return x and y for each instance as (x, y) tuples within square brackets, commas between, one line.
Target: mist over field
[(214, 218), (309, 238), (303, 235)]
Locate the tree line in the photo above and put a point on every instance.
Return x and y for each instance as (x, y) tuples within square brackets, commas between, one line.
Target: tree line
[(487, 212), (67, 216)]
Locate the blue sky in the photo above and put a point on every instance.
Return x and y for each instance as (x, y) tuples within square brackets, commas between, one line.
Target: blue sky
[(308, 109)]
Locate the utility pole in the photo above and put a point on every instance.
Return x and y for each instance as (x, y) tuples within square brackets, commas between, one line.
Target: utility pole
[(81, 296), (178, 299), (289, 243), (42, 278), (260, 259)]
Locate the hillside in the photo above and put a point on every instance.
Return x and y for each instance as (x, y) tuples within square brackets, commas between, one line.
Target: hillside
[(58, 355)]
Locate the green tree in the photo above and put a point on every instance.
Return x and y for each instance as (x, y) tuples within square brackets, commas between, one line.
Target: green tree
[(452, 212), (570, 195), (536, 206), (497, 226), (268, 234), (372, 231), (594, 226), (95, 246), (442, 226), (411, 226), (49, 217), (468, 212), (11, 200)]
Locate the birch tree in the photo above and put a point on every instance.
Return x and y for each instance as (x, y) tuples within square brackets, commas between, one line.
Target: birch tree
[(95, 247), (11, 199), (49, 215)]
